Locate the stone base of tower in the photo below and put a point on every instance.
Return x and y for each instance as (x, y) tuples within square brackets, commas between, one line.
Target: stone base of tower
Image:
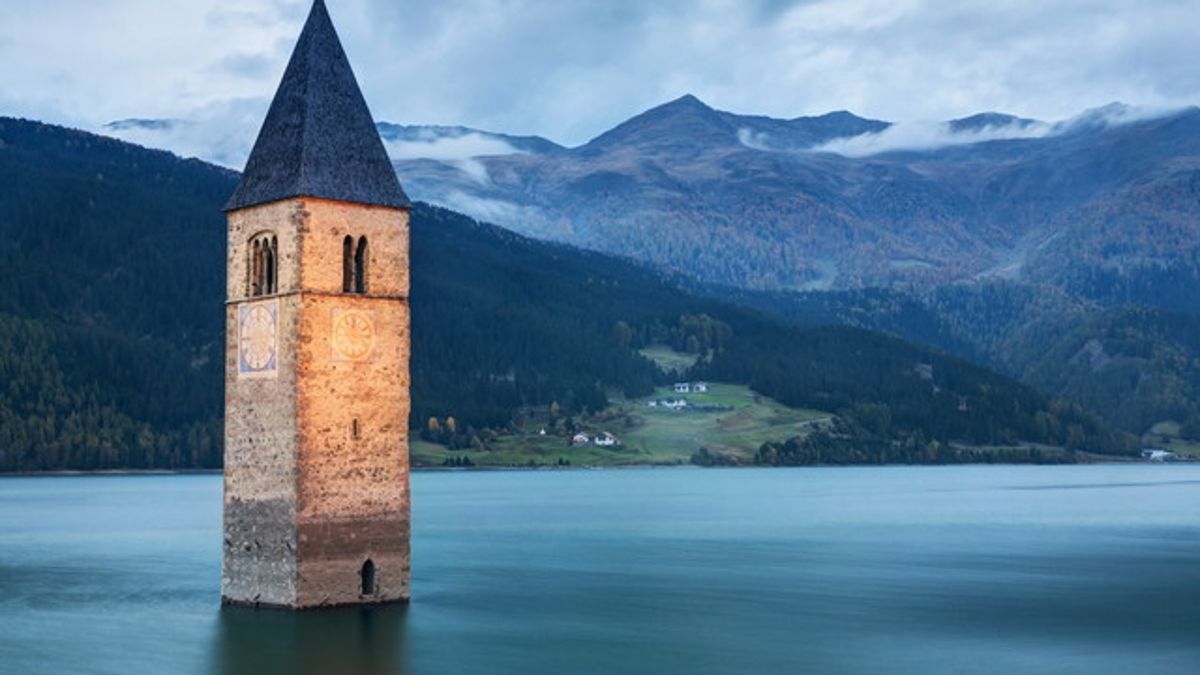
[(259, 563), (357, 561), (270, 562)]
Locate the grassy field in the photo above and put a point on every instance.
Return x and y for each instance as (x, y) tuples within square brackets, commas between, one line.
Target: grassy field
[(424, 453), (530, 450), (669, 360), (1165, 435), (533, 450), (650, 435), (752, 421)]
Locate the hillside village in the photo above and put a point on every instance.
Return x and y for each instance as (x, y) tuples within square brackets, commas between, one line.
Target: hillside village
[(662, 428)]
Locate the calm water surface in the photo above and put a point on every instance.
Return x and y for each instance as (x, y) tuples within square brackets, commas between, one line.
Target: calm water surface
[(1090, 570)]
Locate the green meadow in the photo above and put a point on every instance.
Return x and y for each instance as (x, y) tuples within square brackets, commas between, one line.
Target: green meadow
[(749, 421), (668, 360), (1165, 435), (736, 421)]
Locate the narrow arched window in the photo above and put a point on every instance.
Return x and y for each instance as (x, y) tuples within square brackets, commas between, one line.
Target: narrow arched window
[(367, 576), (360, 266), (256, 268), (274, 264), (268, 268), (348, 264), (262, 269)]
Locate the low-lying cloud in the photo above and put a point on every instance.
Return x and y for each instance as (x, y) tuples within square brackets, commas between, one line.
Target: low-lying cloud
[(498, 212), (460, 149), (481, 208), (431, 144), (922, 136), (224, 134), (928, 136), (221, 133), (755, 140), (1116, 114), (456, 148)]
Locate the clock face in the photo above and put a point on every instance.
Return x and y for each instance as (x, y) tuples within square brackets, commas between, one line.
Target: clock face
[(258, 339), (353, 334)]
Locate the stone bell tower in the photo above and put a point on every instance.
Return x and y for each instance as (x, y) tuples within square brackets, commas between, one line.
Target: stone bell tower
[(317, 348)]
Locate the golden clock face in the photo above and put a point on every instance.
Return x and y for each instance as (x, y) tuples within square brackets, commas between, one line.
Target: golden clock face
[(353, 334), (258, 339)]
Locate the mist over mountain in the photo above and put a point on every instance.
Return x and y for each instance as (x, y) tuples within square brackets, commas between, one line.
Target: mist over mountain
[(751, 202), (112, 314), (994, 237), (1103, 205), (429, 141)]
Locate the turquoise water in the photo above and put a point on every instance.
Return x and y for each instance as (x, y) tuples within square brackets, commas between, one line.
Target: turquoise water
[(1091, 569)]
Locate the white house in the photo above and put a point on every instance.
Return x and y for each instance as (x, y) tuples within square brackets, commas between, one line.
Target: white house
[(682, 388), (699, 387), (580, 439), (606, 440), (1155, 455), (675, 403)]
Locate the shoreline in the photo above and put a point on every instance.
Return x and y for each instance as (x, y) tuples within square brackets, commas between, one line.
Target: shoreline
[(63, 473)]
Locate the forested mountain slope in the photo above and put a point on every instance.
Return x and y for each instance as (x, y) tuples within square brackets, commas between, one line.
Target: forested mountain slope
[(1136, 366), (1105, 205), (111, 314)]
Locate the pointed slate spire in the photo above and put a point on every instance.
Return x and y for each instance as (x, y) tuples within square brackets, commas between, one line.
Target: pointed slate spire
[(319, 139)]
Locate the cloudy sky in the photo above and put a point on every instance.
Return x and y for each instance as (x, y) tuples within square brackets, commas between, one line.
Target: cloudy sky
[(569, 69)]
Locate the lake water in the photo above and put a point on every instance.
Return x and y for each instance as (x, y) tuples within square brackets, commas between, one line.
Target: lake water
[(1088, 569)]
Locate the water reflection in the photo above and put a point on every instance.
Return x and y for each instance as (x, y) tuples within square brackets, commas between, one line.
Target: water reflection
[(349, 641)]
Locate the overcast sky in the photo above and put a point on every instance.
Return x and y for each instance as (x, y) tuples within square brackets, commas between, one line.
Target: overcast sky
[(569, 70)]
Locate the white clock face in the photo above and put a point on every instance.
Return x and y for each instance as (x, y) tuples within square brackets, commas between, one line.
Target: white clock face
[(258, 339)]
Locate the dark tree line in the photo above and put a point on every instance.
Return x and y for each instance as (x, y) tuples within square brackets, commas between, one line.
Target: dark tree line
[(823, 448), (111, 324), (892, 389), (1134, 365)]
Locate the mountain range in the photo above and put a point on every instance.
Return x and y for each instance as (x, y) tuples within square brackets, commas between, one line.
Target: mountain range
[(1017, 243), (1102, 205), (112, 305), (1026, 246)]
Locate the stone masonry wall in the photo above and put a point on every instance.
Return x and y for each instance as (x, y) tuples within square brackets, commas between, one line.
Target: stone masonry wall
[(353, 499), (283, 219), (326, 224), (260, 536), (316, 477)]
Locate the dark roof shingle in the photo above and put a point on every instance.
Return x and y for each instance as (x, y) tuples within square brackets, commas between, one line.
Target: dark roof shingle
[(319, 139)]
